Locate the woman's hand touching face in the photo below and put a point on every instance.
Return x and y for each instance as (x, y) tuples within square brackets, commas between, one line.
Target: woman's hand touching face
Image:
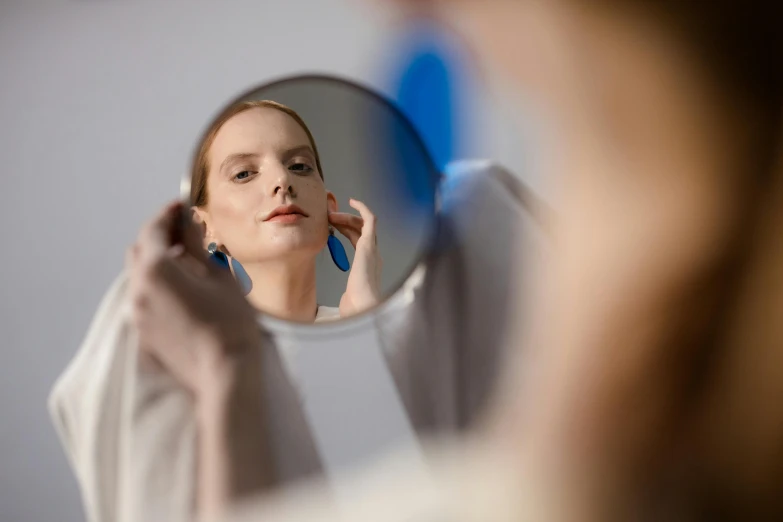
[(363, 290), (191, 316)]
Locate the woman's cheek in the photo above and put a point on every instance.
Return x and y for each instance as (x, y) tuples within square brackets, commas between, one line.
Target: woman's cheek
[(236, 217), (321, 225)]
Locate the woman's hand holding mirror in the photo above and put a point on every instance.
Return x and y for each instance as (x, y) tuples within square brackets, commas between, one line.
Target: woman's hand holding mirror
[(363, 290), (192, 318), (194, 322)]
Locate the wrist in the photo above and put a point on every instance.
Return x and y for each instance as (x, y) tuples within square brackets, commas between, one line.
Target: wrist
[(229, 375), (234, 458), (224, 409)]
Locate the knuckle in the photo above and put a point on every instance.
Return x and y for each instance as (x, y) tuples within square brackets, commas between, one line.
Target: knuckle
[(154, 270)]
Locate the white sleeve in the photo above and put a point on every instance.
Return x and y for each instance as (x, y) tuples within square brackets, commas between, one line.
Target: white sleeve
[(446, 347), (129, 436), (497, 237)]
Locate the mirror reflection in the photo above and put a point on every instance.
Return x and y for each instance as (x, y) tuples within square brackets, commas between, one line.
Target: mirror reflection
[(304, 192)]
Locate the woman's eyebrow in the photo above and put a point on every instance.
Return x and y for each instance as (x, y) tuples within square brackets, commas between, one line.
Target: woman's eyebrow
[(231, 158), (302, 149)]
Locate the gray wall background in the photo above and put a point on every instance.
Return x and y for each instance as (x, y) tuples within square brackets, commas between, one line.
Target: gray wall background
[(100, 104)]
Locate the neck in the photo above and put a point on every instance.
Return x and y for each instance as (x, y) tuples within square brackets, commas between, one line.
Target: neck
[(284, 288)]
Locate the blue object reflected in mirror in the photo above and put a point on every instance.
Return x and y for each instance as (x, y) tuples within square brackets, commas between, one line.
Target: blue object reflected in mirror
[(430, 85)]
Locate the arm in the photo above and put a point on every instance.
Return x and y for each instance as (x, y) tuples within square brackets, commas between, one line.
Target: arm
[(233, 450), (196, 325)]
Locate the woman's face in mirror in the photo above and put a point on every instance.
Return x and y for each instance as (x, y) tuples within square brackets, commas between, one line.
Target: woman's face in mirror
[(266, 199)]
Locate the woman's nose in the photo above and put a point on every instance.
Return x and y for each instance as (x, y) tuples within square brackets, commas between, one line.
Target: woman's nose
[(284, 188), (282, 183)]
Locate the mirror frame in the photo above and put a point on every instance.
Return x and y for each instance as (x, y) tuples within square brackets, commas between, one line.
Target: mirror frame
[(278, 324)]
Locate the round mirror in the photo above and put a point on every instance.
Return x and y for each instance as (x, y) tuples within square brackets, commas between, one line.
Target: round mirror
[(318, 195)]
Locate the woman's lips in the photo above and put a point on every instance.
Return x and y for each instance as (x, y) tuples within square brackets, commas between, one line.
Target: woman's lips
[(285, 214), (285, 218)]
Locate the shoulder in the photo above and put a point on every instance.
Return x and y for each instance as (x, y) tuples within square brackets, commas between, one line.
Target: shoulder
[(490, 237)]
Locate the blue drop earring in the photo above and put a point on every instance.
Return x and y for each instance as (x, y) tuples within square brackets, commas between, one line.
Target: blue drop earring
[(217, 256), (337, 251), (240, 274)]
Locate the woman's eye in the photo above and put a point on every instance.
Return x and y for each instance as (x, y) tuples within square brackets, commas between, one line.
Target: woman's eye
[(241, 176), (301, 167)]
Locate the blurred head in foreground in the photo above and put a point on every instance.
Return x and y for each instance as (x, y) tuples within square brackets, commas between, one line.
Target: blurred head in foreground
[(657, 362)]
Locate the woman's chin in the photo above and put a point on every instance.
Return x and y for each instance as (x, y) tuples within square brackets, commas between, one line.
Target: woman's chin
[(292, 248)]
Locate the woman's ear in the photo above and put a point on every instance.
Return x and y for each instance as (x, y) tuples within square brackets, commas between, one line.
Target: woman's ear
[(201, 218), (331, 202)]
